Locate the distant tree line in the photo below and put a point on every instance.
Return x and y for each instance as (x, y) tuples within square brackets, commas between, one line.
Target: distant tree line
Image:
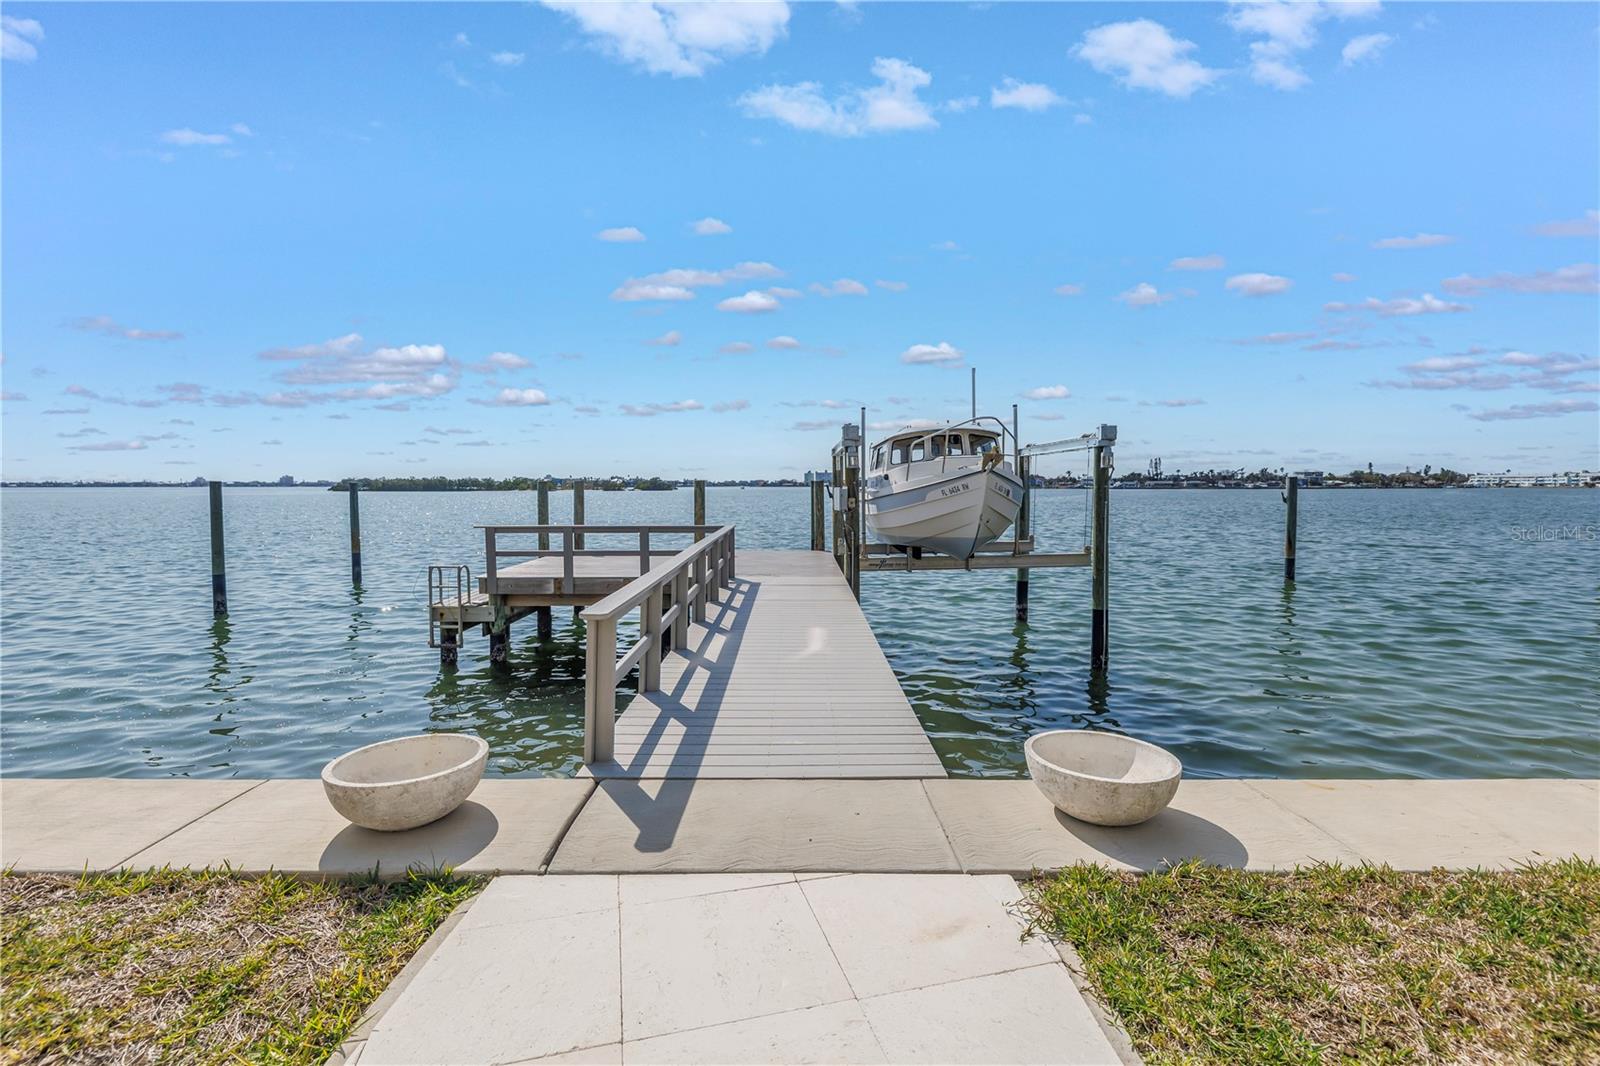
[(507, 484)]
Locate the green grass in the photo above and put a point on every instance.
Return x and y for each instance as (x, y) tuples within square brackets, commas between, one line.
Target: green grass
[(1340, 964), (205, 966)]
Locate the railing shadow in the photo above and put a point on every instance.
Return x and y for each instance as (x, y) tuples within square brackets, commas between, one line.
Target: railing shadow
[(657, 817)]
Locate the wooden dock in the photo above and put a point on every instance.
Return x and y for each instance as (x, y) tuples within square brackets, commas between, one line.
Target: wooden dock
[(784, 678)]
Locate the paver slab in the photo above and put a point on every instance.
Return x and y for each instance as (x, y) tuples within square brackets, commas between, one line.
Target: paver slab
[(1009, 827), (892, 932), (756, 826), (1416, 825), (506, 991), (288, 825), (706, 960), (71, 824), (833, 1033), (1024, 1016)]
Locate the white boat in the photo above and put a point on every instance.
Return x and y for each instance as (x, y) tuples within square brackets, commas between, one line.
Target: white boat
[(949, 490)]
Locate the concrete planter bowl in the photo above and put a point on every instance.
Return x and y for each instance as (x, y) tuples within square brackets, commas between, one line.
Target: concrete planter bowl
[(1103, 778), (404, 783)]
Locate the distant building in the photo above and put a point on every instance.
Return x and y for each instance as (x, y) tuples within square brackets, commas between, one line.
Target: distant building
[(1571, 479), (1309, 478), (824, 476), (286, 480), (198, 482)]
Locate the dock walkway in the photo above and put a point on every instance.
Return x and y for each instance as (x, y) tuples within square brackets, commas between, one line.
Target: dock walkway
[(783, 679)]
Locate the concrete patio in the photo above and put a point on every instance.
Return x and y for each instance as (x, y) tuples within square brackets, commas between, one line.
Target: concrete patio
[(711, 826), (739, 968)]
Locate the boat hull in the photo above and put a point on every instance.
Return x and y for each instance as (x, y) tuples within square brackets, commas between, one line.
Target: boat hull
[(953, 513)]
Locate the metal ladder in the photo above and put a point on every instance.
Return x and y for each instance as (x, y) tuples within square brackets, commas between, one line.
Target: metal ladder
[(449, 586)]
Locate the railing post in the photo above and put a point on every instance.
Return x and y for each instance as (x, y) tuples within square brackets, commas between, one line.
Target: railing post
[(490, 567), (680, 597), (701, 594), (699, 507), (732, 557), (713, 572), (600, 691), (644, 552), (544, 514), (650, 627)]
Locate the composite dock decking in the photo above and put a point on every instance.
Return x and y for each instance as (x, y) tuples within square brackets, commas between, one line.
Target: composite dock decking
[(784, 679)]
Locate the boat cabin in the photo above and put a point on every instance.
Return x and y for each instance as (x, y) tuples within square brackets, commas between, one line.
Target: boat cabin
[(918, 447)]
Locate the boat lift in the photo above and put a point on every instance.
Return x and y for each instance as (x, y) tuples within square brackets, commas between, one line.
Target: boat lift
[(855, 554)]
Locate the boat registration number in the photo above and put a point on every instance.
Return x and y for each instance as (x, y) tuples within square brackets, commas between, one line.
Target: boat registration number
[(955, 490)]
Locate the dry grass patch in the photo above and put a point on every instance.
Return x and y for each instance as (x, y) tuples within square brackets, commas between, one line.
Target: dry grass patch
[(1340, 964), (181, 966)]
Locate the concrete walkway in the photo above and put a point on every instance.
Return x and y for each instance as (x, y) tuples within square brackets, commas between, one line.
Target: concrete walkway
[(693, 826), (739, 968)]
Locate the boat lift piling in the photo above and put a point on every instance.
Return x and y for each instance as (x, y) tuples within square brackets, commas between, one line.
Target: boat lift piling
[(355, 533), (219, 560), (1291, 499)]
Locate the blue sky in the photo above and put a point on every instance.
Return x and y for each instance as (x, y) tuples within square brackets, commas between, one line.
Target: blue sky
[(247, 240)]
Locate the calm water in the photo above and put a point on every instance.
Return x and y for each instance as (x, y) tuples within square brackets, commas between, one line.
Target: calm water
[(1426, 637)]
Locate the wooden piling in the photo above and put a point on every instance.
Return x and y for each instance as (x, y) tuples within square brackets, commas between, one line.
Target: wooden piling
[(355, 534), (499, 633), (1291, 497), (449, 647), (577, 514), (1024, 524), (818, 534), (219, 564), (699, 506), (544, 520), (1100, 560), (545, 622), (852, 489)]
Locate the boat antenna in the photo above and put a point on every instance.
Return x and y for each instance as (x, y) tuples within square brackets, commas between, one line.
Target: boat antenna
[(974, 392)]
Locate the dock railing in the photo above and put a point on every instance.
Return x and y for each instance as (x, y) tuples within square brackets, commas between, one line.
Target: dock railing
[(691, 579), (572, 545)]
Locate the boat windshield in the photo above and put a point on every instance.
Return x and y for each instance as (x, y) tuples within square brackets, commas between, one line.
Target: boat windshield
[(982, 445)]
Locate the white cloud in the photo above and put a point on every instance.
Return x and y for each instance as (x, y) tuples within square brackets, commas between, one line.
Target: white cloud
[(1341, 276), (1286, 27), (1185, 402), (783, 342), (1419, 240), (1428, 304), (621, 235), (1081, 119), (1577, 278), (516, 398), (681, 39), (650, 410), (1026, 96), (946, 246), (1198, 262), (188, 138), (941, 354), (670, 339), (1069, 289), (960, 104), (19, 38), (1587, 226), (242, 130), (508, 59), (783, 292), (841, 287), (1049, 392), (1367, 46), (892, 286), (724, 406), (890, 105), (1553, 409), (1144, 294), (1258, 284), (679, 283), (711, 227), (751, 303), (112, 328), (387, 373), (1143, 55), (495, 361), (737, 348)]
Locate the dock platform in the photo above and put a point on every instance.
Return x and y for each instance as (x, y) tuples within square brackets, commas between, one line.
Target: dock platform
[(784, 678)]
